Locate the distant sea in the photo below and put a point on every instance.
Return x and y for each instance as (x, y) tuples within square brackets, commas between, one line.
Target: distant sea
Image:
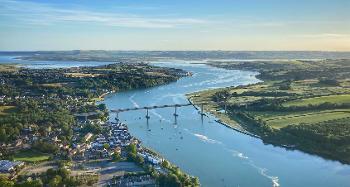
[(77, 58)]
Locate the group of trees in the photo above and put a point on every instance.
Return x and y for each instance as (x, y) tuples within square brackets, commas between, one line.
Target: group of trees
[(329, 139), (132, 154), (45, 147), (52, 177), (5, 182), (37, 116), (175, 177)]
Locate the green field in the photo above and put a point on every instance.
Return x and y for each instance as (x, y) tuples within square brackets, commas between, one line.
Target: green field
[(288, 107), (6, 109), (31, 156), (280, 121), (336, 99)]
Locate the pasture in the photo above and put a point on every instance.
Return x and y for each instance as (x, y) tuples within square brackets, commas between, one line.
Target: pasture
[(281, 120), (335, 99)]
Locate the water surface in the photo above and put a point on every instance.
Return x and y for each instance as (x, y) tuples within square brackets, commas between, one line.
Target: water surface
[(48, 64), (219, 156)]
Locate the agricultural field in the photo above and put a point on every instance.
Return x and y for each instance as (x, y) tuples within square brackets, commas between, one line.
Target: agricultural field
[(291, 118), (335, 99)]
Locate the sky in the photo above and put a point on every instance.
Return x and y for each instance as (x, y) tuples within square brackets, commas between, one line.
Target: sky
[(239, 25)]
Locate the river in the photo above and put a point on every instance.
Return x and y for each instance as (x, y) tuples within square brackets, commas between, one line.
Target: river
[(219, 156)]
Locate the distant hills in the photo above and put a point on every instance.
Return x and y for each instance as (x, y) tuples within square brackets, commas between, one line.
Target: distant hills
[(102, 55)]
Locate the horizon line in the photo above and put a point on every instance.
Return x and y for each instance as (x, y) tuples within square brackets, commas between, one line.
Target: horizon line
[(139, 50)]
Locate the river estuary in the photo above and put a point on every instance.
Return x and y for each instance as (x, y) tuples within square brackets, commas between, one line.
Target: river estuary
[(219, 156)]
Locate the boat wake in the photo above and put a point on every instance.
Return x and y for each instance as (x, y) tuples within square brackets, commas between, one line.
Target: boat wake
[(262, 171), (239, 154), (159, 116), (131, 99), (206, 139)]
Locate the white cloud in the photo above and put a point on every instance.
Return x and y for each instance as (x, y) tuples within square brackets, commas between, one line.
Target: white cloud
[(325, 35), (46, 14)]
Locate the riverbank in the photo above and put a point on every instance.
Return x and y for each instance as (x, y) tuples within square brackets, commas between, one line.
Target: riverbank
[(291, 113), (213, 109)]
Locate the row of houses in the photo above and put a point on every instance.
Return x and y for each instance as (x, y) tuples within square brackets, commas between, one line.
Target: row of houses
[(115, 136), (141, 180), (150, 158), (7, 166)]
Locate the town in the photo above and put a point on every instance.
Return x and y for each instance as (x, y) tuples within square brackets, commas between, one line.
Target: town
[(53, 133)]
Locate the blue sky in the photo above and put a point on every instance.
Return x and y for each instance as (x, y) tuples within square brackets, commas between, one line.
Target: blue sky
[(175, 25)]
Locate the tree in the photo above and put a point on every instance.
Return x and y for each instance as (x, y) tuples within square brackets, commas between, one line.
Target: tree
[(169, 180), (102, 107), (139, 159), (330, 82), (131, 156), (3, 135), (116, 156), (132, 148), (5, 182), (165, 164), (32, 183), (106, 146), (56, 181), (132, 152)]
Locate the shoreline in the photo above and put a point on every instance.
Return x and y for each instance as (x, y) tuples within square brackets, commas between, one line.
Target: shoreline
[(273, 137), (218, 120), (146, 148)]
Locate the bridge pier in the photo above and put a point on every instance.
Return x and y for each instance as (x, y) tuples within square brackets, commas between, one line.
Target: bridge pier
[(175, 112), (147, 115), (202, 109), (225, 108), (117, 116)]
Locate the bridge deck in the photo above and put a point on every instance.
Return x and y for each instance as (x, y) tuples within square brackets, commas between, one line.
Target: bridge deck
[(150, 107)]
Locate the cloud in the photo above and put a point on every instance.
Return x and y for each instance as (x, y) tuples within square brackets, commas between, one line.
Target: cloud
[(262, 24), (325, 35), (47, 14)]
